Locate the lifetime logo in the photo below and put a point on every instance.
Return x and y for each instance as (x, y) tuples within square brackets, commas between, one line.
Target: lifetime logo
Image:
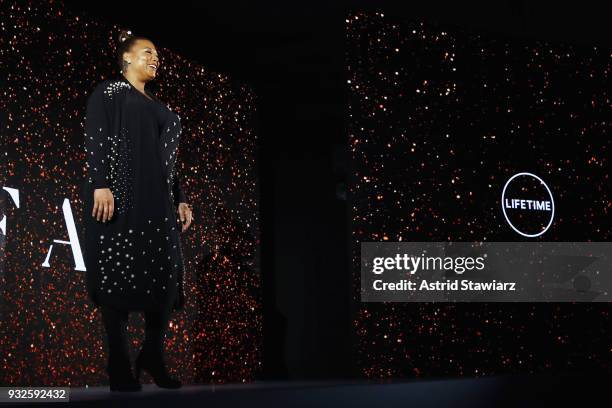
[(528, 205)]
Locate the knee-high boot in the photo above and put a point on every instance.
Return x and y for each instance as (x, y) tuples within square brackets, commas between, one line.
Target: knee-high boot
[(151, 358), (120, 375)]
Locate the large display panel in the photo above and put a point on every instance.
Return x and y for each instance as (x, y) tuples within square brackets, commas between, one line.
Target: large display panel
[(444, 123)]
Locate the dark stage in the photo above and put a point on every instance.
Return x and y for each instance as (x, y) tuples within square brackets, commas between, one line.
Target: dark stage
[(310, 128), (506, 391)]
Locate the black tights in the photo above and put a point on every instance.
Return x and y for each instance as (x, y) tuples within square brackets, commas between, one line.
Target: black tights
[(115, 323)]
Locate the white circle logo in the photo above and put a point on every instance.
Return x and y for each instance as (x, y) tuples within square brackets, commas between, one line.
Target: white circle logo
[(513, 206)]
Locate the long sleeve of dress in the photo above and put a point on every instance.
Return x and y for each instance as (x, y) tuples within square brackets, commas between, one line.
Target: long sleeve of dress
[(179, 194), (97, 145)]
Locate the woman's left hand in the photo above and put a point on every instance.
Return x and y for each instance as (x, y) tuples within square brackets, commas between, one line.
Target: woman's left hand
[(185, 215)]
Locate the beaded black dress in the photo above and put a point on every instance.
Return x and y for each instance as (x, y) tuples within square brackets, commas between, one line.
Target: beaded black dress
[(134, 261)]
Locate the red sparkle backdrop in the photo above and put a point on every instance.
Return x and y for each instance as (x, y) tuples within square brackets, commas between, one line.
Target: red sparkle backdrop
[(439, 119), (50, 333)]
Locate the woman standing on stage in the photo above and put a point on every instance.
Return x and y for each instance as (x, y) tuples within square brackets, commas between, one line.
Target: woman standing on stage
[(132, 251)]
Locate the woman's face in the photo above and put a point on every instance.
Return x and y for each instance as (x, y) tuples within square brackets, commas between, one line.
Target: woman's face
[(144, 58)]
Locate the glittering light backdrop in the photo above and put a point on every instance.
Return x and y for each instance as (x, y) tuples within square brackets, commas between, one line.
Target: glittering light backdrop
[(439, 119), (50, 334)]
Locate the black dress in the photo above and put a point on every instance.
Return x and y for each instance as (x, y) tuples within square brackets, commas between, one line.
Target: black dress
[(134, 261)]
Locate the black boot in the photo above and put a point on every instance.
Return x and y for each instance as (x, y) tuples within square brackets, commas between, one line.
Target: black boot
[(120, 375), (153, 363)]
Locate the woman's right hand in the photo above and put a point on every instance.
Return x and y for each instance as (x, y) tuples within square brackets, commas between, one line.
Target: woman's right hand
[(104, 204)]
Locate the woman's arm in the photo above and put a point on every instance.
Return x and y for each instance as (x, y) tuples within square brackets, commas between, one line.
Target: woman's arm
[(97, 128)]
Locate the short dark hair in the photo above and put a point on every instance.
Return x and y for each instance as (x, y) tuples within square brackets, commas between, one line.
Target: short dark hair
[(125, 42)]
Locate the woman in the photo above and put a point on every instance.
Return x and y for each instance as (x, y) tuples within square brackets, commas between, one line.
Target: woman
[(133, 253)]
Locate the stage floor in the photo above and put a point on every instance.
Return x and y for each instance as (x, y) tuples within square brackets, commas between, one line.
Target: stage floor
[(508, 391)]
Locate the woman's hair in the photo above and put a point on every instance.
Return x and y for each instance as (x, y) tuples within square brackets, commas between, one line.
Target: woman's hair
[(125, 42)]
